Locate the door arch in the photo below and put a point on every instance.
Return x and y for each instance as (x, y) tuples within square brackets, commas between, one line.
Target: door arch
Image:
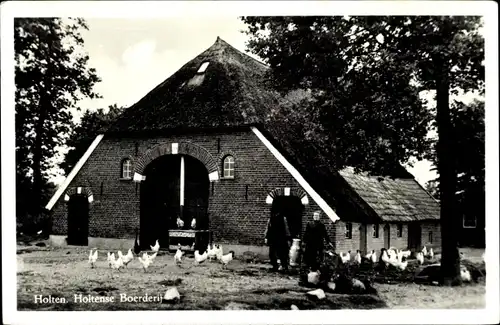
[(78, 220), (160, 197)]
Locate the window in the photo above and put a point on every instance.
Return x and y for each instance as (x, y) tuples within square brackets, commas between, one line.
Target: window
[(126, 169), (400, 230), (430, 237), (203, 67), (469, 221), (375, 231), (229, 167), (348, 230)]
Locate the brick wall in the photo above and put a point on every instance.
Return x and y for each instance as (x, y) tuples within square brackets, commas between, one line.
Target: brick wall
[(234, 218)]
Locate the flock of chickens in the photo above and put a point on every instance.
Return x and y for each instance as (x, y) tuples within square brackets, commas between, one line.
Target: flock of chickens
[(392, 256), (119, 261)]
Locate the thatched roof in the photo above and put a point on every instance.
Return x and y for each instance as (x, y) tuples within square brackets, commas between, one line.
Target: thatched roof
[(229, 93), (232, 93)]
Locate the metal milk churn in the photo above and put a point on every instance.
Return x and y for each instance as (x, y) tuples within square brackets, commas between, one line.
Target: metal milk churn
[(294, 252)]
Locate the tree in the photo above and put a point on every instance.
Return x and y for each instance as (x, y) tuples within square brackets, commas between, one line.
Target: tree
[(51, 76), (364, 72), (91, 124), (468, 130)]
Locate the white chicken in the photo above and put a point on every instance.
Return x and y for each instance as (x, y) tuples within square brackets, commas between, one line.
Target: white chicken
[(406, 253), (420, 258), (93, 258), (374, 257), (402, 264), (369, 255), (357, 257), (211, 252), (146, 261), (430, 254), (178, 255), (156, 247), (345, 257), (200, 258), (391, 253), (218, 251), (126, 258), (225, 259), (424, 251), (180, 223), (116, 264), (111, 258), (385, 257), (465, 274)]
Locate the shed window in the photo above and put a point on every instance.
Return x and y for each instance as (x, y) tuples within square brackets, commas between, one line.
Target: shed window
[(469, 221), (375, 231), (430, 237), (348, 230), (203, 67), (228, 167), (400, 230), (126, 169)]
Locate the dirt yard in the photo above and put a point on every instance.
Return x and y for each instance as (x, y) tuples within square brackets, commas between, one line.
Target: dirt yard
[(64, 273)]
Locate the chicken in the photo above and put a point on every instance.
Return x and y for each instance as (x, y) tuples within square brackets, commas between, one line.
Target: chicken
[(402, 264), (374, 257), (211, 252), (180, 223), (406, 253), (146, 261), (111, 258), (193, 223), (465, 274), (430, 254), (200, 258), (156, 247), (93, 258), (424, 251), (357, 257), (369, 255), (116, 264), (391, 253), (218, 251), (384, 257), (420, 258), (346, 257), (178, 255), (126, 258), (225, 259)]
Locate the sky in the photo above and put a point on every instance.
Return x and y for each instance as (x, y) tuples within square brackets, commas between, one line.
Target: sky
[(132, 56)]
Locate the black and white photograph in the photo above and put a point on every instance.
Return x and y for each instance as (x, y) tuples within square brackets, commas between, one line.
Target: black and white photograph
[(301, 159)]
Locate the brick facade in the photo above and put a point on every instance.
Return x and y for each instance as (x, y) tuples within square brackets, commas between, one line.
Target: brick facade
[(237, 207)]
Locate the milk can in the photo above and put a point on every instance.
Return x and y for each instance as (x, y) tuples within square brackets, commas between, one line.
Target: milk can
[(294, 252)]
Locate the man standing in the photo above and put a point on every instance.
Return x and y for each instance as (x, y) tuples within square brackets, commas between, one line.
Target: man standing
[(277, 236), (314, 239)]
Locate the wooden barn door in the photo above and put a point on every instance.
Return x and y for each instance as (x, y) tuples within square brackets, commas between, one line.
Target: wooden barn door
[(362, 239), (78, 220), (414, 236), (387, 236)]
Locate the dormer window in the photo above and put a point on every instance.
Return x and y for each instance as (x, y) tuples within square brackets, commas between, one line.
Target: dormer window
[(203, 67)]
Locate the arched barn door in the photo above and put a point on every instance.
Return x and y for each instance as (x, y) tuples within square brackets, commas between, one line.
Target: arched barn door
[(292, 208), (78, 220), (168, 193)]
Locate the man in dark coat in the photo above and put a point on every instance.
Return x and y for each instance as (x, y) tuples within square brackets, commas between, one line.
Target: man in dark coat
[(277, 236), (314, 239)]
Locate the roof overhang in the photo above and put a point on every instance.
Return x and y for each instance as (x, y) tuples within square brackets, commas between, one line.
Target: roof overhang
[(298, 177), (74, 172)]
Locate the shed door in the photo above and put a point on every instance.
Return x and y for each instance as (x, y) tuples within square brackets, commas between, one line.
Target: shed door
[(362, 239), (387, 236), (78, 220), (414, 236)]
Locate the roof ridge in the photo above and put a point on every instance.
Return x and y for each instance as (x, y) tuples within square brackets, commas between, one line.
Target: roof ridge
[(221, 41)]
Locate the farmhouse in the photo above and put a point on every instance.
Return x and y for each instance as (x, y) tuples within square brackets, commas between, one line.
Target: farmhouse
[(198, 147)]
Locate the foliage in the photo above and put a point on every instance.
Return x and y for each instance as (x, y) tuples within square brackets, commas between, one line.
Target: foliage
[(91, 124), (51, 76), (363, 74)]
